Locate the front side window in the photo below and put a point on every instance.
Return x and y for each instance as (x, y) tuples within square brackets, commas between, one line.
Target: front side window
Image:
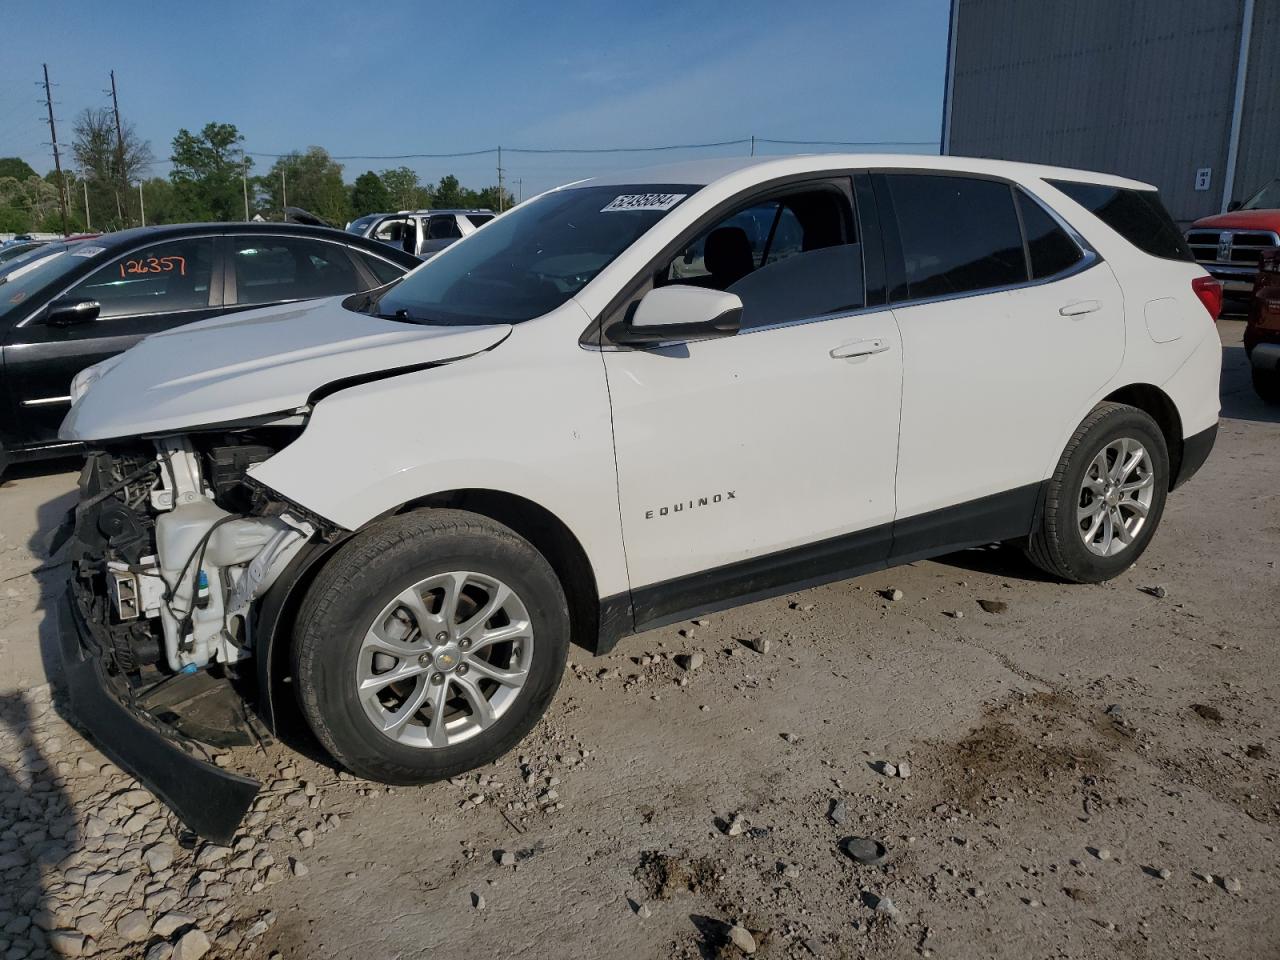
[(161, 278), (788, 258), (959, 234), (397, 231), (1050, 247), (533, 259), (273, 269), (1137, 215)]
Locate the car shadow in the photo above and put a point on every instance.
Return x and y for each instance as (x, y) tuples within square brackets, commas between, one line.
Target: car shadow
[(38, 824), (1239, 401)]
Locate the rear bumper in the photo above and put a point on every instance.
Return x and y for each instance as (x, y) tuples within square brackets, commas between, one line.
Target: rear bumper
[(209, 800), (1265, 356), (1195, 451)]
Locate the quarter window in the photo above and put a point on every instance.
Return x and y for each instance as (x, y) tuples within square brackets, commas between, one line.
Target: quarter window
[(1050, 247), (959, 234), (162, 278), (384, 270), (1137, 215), (272, 269), (787, 258)]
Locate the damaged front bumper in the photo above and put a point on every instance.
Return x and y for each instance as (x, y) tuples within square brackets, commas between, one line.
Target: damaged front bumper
[(209, 800)]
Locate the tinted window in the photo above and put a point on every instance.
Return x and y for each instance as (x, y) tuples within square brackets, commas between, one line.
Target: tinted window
[(532, 259), (789, 258), (479, 219), (157, 279), (443, 228), (1052, 249), (384, 270), (1137, 215), (271, 269), (959, 234)]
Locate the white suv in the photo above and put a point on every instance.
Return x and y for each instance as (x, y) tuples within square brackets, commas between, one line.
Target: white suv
[(624, 403)]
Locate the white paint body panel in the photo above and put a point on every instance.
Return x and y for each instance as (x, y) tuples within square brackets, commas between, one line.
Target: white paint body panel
[(252, 364), (805, 443), (982, 375)]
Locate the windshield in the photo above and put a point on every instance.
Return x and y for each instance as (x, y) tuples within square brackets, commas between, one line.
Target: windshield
[(531, 260), (1268, 198), (24, 276)]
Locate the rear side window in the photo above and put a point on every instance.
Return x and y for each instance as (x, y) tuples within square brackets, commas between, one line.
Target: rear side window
[(479, 219), (1050, 247), (443, 228), (959, 234), (271, 269), (1137, 215)]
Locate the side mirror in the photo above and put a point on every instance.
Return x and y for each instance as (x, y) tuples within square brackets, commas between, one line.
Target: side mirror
[(1233, 206), (68, 310), (677, 313)]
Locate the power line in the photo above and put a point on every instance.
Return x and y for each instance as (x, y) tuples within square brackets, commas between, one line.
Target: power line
[(599, 150)]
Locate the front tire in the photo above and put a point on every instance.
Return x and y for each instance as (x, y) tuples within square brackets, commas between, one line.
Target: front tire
[(429, 645), (1105, 499)]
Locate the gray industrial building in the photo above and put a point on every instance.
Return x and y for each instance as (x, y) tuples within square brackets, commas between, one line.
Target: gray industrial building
[(1184, 94)]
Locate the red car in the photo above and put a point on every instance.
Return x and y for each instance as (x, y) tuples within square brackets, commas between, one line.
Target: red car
[(1228, 245), (1262, 332)]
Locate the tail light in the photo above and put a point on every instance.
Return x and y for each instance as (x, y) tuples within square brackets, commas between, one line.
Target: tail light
[(1209, 291)]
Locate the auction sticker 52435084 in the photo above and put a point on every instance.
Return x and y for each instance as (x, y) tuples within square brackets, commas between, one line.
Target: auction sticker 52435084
[(643, 201)]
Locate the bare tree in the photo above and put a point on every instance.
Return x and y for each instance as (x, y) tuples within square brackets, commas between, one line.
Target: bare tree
[(109, 169)]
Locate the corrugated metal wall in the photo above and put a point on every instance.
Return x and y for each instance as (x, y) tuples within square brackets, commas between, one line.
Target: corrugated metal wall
[(1259, 159), (1141, 88)]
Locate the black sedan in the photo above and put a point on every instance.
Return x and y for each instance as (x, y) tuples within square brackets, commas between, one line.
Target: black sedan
[(83, 301)]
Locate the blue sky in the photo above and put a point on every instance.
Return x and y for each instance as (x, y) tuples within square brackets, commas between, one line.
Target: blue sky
[(401, 77)]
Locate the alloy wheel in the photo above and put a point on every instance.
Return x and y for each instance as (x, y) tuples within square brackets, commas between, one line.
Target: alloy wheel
[(1115, 497), (445, 659)]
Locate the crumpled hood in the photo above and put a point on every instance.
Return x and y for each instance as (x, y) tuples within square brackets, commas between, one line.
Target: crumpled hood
[(254, 364)]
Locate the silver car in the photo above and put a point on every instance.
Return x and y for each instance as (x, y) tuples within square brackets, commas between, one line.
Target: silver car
[(423, 233)]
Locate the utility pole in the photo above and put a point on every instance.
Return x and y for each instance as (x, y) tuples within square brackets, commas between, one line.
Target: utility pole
[(120, 171), (519, 189), (284, 197), (244, 185), (142, 208), (500, 193), (88, 227), (57, 161), (753, 144)]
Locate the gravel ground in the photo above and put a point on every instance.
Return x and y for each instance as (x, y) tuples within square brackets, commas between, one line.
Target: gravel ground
[(1048, 770)]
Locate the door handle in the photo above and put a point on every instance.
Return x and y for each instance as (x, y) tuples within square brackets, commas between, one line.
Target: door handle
[(859, 348), (1077, 308)]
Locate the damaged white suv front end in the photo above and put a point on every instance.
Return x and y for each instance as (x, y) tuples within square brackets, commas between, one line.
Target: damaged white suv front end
[(174, 546)]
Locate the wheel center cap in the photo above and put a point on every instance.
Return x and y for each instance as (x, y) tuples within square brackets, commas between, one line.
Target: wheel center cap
[(446, 658)]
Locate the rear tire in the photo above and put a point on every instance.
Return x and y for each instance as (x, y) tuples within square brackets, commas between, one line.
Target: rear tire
[(1266, 384), (429, 645), (1104, 501)]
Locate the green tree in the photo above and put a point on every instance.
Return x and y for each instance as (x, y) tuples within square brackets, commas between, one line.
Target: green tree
[(112, 162), (161, 199), (448, 193), (369, 195), (207, 171), (32, 204), (405, 190), (15, 167), (310, 180)]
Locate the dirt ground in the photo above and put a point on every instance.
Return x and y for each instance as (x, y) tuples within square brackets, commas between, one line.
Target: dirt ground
[(1090, 772)]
